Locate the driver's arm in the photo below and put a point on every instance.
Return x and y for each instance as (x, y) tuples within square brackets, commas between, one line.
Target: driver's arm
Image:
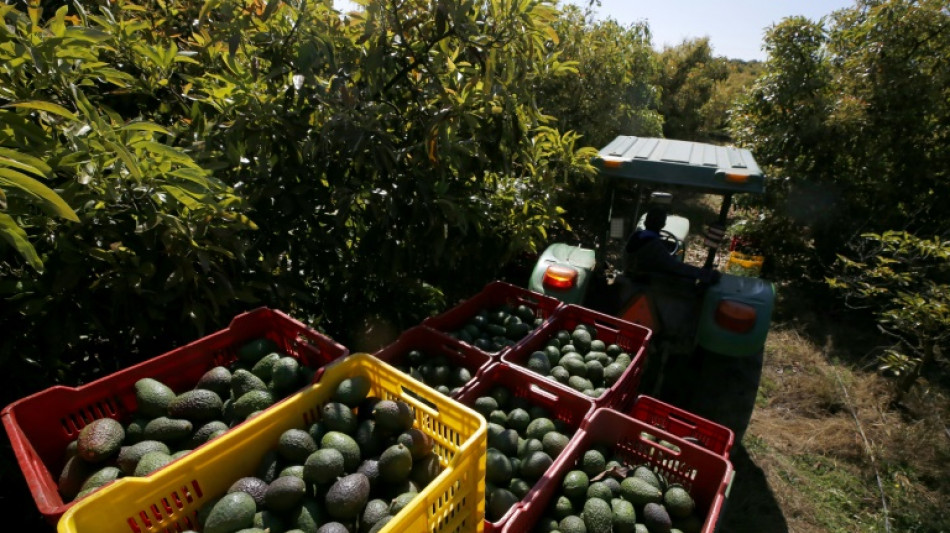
[(655, 257)]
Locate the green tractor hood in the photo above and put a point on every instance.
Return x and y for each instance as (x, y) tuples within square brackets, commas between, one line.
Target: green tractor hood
[(701, 166)]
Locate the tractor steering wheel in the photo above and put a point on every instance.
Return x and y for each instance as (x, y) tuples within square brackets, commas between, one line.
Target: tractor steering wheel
[(670, 241)]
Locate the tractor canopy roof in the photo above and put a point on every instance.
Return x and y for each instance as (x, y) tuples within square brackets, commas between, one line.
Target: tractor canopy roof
[(702, 166)]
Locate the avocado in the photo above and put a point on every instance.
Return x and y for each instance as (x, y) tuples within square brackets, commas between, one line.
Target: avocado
[(104, 475), (284, 493), (593, 462), (198, 405), (419, 443), (206, 432), (639, 492), (563, 507), (572, 524), (129, 455), (498, 503), (678, 502), (255, 487), (539, 362), (295, 445), (307, 516), (347, 497), (243, 382), (370, 469), (346, 446), (100, 440), (484, 405), (645, 473), (601, 490), (395, 464), (370, 441), (554, 442), (535, 465), (251, 351), (152, 397), (624, 516), (217, 380), (401, 501), (323, 466), (538, 428), (597, 516), (393, 416), (250, 402), (264, 367), (425, 470), (292, 470), (72, 477), (372, 513), (232, 512), (333, 527), (379, 525), (150, 462), (338, 416), (351, 391), (498, 468), (505, 441), (167, 430), (656, 518), (285, 376), (575, 484)]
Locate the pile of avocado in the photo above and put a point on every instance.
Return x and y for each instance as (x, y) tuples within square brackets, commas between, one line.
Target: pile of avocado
[(436, 371), (580, 360), (351, 471), (610, 496), (166, 425), (522, 443), (491, 330)]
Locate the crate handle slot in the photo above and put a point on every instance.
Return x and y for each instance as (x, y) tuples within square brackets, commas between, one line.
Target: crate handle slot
[(543, 392)]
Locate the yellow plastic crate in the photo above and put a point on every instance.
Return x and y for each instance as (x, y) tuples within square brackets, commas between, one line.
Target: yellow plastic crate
[(167, 501), (742, 264)]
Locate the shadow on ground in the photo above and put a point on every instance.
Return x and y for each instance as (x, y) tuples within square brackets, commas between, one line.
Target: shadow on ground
[(751, 505)]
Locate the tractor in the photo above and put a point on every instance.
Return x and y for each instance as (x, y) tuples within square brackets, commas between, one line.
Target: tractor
[(707, 350)]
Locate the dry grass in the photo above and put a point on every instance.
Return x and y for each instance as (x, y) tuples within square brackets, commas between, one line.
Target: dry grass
[(824, 435)]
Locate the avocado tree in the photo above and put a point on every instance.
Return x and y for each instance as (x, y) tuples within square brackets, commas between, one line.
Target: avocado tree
[(851, 116), (687, 77), (904, 280)]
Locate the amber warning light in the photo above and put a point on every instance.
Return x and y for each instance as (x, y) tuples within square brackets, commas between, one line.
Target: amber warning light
[(735, 316), (559, 277)]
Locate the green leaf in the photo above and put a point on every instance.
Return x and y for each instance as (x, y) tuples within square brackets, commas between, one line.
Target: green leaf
[(48, 107), (169, 153), (126, 157), (144, 125), (28, 163), (39, 191), (17, 238)]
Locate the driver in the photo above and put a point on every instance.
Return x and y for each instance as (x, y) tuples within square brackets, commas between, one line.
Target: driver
[(647, 252)]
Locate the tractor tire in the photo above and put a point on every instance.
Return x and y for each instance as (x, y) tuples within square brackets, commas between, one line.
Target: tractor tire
[(726, 390)]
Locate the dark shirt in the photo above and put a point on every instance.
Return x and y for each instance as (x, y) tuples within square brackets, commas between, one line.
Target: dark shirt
[(648, 254)]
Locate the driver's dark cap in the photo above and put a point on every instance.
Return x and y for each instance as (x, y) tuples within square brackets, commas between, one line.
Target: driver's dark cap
[(655, 219)]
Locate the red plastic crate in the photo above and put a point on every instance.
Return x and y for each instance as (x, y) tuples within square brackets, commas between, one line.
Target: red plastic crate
[(571, 409), (633, 338), (705, 475), (708, 434), (434, 343), (494, 295), (41, 425)]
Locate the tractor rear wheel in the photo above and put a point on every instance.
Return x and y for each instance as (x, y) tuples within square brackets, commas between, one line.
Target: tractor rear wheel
[(726, 390)]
